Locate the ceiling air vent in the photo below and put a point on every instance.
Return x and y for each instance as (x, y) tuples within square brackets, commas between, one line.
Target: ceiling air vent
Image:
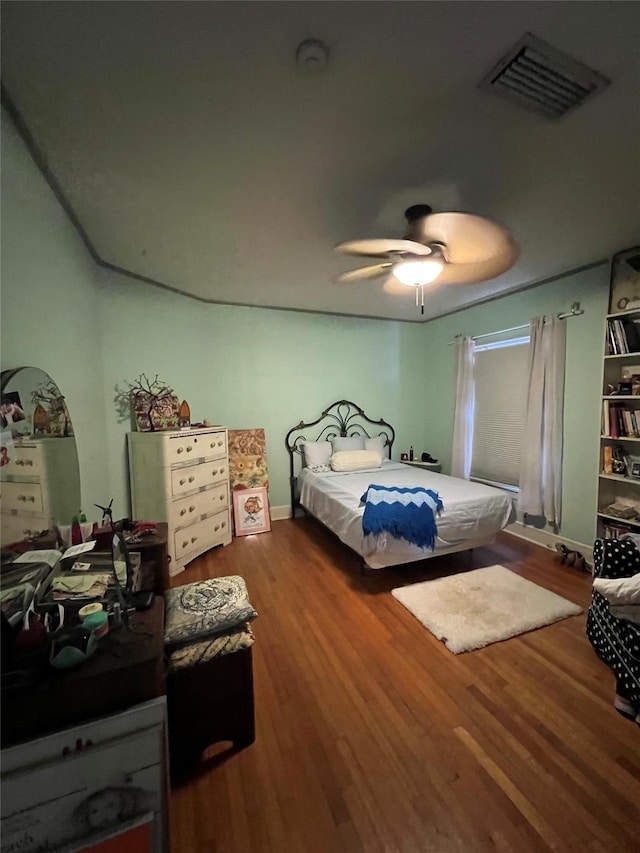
[(541, 78)]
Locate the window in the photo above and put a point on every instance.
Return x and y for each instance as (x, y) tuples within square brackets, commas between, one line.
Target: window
[(500, 399)]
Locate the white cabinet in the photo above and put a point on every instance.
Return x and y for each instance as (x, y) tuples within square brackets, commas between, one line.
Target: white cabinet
[(91, 782), (619, 476), (38, 486), (182, 478)]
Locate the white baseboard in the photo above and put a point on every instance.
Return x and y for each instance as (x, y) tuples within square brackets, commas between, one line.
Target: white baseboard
[(280, 513), (547, 539)]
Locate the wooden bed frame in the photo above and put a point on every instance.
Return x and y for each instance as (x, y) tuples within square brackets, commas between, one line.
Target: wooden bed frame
[(342, 418)]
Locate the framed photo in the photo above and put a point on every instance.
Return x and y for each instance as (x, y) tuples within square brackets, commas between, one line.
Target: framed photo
[(251, 511), (11, 410), (625, 280)]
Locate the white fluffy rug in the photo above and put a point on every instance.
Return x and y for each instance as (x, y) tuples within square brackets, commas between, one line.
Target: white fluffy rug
[(473, 609)]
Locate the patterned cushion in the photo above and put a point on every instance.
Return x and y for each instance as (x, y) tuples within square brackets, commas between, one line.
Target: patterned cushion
[(204, 608), (182, 657)]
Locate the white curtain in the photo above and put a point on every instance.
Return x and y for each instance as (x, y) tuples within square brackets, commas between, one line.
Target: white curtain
[(541, 465), (463, 417)]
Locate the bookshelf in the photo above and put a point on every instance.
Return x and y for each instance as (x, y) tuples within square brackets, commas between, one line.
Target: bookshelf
[(620, 425)]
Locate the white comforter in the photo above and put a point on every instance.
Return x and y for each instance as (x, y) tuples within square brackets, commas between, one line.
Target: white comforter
[(473, 513)]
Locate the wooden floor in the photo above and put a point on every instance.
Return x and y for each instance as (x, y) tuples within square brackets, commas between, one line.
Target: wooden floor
[(371, 736)]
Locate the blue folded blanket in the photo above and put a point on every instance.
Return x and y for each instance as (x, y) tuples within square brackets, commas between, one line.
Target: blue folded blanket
[(405, 513)]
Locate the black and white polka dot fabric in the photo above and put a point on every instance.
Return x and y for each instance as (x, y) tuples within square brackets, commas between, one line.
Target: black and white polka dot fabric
[(616, 641)]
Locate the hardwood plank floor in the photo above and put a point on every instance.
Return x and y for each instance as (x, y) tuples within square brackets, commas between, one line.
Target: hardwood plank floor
[(371, 736)]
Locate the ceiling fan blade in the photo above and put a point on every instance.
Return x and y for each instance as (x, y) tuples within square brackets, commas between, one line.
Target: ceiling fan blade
[(381, 248), (364, 273), (480, 270), (468, 239)]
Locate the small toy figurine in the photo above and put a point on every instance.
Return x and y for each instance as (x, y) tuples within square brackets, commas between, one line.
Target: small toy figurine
[(107, 513)]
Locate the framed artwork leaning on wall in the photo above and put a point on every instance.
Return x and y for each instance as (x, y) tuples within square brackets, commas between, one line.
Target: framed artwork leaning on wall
[(251, 511)]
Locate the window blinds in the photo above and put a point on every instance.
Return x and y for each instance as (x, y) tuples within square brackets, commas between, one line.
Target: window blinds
[(500, 383)]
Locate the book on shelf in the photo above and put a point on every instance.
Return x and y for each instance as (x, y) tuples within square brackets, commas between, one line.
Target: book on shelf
[(619, 421), (623, 336), (607, 459)]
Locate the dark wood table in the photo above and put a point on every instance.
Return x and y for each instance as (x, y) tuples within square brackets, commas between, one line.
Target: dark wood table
[(126, 669)]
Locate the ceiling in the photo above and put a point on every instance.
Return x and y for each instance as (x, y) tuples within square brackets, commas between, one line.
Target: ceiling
[(194, 152)]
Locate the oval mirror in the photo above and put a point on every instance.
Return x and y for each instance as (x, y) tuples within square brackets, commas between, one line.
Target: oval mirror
[(39, 471)]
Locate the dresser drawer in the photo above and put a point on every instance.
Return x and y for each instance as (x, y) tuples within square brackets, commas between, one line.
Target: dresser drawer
[(181, 449), (201, 534), (193, 477), (25, 461), (184, 510), (17, 527), (22, 497)]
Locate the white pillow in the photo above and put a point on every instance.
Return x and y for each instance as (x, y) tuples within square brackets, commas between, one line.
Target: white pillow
[(355, 460), (348, 442), (378, 442), (316, 454), (619, 590)]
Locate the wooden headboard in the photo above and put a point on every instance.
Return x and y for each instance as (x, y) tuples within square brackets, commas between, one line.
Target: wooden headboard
[(341, 418)]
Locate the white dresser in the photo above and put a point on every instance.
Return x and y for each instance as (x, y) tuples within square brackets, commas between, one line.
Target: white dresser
[(39, 486), (182, 478), (101, 782)]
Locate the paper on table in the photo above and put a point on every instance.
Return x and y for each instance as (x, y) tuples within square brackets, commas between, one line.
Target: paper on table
[(50, 557), (79, 549)]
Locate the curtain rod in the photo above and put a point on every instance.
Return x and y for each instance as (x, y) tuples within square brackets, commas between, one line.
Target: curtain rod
[(575, 311)]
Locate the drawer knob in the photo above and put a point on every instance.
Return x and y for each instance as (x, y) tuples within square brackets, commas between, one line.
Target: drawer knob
[(183, 512), (180, 449), (222, 470), (213, 444), (224, 523), (28, 462), (191, 508), (219, 444), (182, 482), (184, 544), (21, 461), (189, 449), (220, 497), (191, 479), (194, 539), (216, 528), (214, 472)]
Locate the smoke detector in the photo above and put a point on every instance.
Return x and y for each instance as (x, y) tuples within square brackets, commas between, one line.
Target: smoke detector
[(312, 56)]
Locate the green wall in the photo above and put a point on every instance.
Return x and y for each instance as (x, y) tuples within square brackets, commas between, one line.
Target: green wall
[(251, 367), (48, 304)]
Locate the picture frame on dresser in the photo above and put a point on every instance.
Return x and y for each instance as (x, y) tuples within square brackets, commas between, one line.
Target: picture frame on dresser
[(251, 511)]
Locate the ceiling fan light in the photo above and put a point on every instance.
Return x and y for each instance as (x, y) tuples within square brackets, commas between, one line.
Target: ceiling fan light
[(417, 273)]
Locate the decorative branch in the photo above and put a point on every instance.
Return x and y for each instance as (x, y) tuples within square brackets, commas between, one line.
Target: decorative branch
[(143, 392)]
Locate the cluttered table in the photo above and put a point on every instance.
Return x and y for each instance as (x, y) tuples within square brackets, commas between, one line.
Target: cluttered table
[(125, 666)]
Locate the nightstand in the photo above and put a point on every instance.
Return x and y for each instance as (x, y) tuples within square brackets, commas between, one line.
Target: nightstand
[(436, 467)]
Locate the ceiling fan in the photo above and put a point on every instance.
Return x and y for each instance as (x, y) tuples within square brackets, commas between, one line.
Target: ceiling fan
[(444, 248)]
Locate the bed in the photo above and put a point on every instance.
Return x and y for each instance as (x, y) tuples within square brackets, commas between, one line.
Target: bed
[(472, 513)]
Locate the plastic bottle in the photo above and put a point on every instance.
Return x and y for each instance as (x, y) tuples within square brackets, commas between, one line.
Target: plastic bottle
[(76, 531), (411, 453)]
